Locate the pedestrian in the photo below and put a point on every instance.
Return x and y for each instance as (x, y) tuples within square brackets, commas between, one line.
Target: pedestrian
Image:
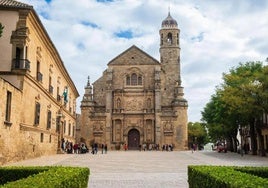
[(144, 147), (125, 147), (76, 148), (102, 148), (95, 148), (105, 148), (193, 148), (92, 149)]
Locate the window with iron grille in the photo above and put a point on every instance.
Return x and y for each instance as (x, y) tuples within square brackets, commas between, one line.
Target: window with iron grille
[(37, 113), (8, 106), (48, 119)]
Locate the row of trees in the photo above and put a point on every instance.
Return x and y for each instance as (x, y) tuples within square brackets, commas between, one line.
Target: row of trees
[(240, 101)]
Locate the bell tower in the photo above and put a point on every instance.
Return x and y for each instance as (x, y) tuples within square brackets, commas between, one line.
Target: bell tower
[(170, 59), (174, 107)]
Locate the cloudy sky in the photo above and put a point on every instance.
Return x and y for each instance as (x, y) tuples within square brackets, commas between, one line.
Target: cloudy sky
[(215, 36)]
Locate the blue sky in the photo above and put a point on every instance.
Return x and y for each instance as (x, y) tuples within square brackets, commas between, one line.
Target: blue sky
[(214, 37)]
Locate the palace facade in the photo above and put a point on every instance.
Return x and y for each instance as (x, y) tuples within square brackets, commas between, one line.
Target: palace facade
[(38, 97)]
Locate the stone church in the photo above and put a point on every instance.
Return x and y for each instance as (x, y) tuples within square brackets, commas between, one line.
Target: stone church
[(138, 100)]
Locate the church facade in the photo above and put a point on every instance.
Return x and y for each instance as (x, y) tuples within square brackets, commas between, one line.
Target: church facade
[(138, 100)]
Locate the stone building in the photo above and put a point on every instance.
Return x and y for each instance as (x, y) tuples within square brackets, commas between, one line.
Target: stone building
[(38, 97), (138, 99)]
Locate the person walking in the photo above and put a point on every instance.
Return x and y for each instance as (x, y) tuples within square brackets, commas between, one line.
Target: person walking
[(125, 147), (105, 148), (102, 148)]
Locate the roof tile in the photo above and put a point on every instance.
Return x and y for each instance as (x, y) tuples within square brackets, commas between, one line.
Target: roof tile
[(13, 4)]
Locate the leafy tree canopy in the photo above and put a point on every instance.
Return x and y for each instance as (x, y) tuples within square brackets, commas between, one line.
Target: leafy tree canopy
[(242, 96), (197, 133)]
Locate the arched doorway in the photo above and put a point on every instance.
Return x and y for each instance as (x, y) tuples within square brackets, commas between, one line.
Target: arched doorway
[(133, 139)]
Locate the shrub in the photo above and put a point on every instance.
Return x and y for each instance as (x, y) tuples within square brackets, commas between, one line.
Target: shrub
[(51, 177), (223, 177)]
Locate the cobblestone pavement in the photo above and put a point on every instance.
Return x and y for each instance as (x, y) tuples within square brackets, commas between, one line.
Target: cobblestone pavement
[(150, 169)]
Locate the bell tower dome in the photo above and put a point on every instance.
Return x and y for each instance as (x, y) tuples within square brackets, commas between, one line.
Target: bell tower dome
[(169, 33)]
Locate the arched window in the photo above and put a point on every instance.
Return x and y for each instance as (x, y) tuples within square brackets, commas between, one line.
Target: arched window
[(134, 79), (169, 38)]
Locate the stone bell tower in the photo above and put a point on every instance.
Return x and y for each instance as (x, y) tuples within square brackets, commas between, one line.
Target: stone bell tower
[(173, 105), (169, 58), (87, 108)]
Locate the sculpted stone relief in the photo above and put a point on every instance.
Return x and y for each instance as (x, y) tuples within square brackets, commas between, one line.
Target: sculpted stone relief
[(98, 126), (168, 126), (135, 122), (134, 104)]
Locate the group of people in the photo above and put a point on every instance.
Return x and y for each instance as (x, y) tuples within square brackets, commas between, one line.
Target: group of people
[(78, 148), (69, 147), (156, 147), (152, 147), (149, 147), (167, 147), (95, 147)]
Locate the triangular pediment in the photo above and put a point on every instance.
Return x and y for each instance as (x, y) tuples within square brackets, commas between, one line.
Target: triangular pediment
[(133, 56)]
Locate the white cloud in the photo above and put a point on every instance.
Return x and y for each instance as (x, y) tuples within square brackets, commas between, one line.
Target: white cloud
[(215, 36)]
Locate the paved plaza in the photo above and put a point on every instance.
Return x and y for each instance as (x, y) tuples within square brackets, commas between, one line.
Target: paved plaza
[(136, 169)]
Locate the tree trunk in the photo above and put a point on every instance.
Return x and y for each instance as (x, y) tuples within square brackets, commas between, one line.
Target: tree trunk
[(253, 137), (231, 145), (260, 138)]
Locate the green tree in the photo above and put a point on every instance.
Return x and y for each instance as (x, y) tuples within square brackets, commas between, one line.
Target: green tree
[(241, 93), (221, 125), (197, 134), (1, 29), (242, 100)]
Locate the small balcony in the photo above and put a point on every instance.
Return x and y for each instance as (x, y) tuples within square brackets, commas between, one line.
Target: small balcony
[(39, 76), (20, 64)]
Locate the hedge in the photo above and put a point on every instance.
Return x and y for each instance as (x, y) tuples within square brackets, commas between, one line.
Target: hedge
[(226, 177), (40, 177)]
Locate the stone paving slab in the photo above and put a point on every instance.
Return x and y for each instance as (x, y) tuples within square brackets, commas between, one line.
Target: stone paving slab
[(150, 169)]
